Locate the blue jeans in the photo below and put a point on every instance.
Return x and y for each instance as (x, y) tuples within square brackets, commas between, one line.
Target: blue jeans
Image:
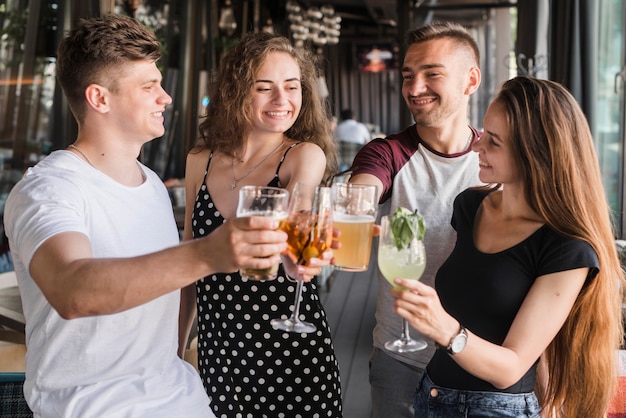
[(432, 401), (393, 385)]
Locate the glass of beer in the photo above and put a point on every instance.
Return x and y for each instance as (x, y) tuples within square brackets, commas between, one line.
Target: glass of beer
[(262, 201), (354, 213)]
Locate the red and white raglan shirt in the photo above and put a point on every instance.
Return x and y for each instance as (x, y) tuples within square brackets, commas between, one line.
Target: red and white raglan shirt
[(418, 178)]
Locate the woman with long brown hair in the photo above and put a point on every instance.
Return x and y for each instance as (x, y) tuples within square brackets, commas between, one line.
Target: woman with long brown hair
[(534, 270), (265, 125)]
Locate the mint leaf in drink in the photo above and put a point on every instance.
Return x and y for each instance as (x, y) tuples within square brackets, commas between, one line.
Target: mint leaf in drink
[(406, 226)]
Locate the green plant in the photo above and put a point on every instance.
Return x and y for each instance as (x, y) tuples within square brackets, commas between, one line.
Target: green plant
[(406, 226)]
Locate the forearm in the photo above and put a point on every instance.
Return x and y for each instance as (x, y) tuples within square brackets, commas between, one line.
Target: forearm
[(498, 365), (368, 179), (76, 284), (96, 286)]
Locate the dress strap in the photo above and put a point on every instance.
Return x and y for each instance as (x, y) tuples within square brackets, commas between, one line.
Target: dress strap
[(206, 171), (275, 180)]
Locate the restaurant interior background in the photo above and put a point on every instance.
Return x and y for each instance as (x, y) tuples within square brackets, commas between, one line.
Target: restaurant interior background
[(580, 43)]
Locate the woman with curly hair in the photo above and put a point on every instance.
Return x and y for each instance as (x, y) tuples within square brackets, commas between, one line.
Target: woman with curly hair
[(534, 273), (266, 124)]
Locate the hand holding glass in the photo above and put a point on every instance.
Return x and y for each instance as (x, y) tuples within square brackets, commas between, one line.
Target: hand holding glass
[(406, 263), (262, 201), (309, 234)]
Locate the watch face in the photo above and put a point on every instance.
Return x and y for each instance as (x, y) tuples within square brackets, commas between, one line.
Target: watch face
[(459, 343)]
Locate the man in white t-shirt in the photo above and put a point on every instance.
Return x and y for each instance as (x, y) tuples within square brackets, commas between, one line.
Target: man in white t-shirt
[(351, 130), (421, 168), (351, 135), (96, 248)]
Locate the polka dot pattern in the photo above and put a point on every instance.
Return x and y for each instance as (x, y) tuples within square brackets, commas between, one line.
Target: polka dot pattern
[(248, 368)]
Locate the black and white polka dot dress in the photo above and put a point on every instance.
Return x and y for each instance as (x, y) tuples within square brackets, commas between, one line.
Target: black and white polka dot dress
[(248, 368)]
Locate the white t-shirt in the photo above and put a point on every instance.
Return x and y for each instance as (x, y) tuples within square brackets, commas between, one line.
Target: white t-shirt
[(352, 131), (119, 365)]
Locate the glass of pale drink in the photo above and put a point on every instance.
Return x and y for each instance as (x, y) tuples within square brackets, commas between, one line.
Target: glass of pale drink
[(401, 260), (354, 213), (262, 201)]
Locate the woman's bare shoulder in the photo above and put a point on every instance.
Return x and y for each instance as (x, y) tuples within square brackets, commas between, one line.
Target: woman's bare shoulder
[(306, 163), (196, 155), (197, 160), (306, 150)]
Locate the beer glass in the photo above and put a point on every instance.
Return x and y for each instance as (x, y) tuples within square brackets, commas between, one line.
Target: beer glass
[(262, 201), (354, 213)]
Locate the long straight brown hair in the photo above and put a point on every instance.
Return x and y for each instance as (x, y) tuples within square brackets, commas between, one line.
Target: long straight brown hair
[(563, 184)]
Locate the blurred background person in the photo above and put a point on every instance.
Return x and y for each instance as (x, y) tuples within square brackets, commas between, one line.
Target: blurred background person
[(351, 135)]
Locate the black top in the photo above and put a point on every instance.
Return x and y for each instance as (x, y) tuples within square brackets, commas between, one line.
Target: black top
[(485, 291)]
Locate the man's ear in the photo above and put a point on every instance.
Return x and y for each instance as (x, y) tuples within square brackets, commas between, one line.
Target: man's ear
[(473, 80), (97, 97)]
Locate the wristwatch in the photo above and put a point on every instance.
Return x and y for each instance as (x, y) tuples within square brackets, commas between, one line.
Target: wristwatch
[(458, 342)]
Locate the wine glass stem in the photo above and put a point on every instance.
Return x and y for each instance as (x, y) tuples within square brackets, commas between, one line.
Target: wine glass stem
[(296, 304), (405, 331)]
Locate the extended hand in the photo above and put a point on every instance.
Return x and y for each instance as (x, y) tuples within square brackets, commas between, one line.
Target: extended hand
[(248, 242)]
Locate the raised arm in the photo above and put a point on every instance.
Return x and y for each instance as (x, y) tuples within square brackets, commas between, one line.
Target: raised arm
[(77, 285)]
